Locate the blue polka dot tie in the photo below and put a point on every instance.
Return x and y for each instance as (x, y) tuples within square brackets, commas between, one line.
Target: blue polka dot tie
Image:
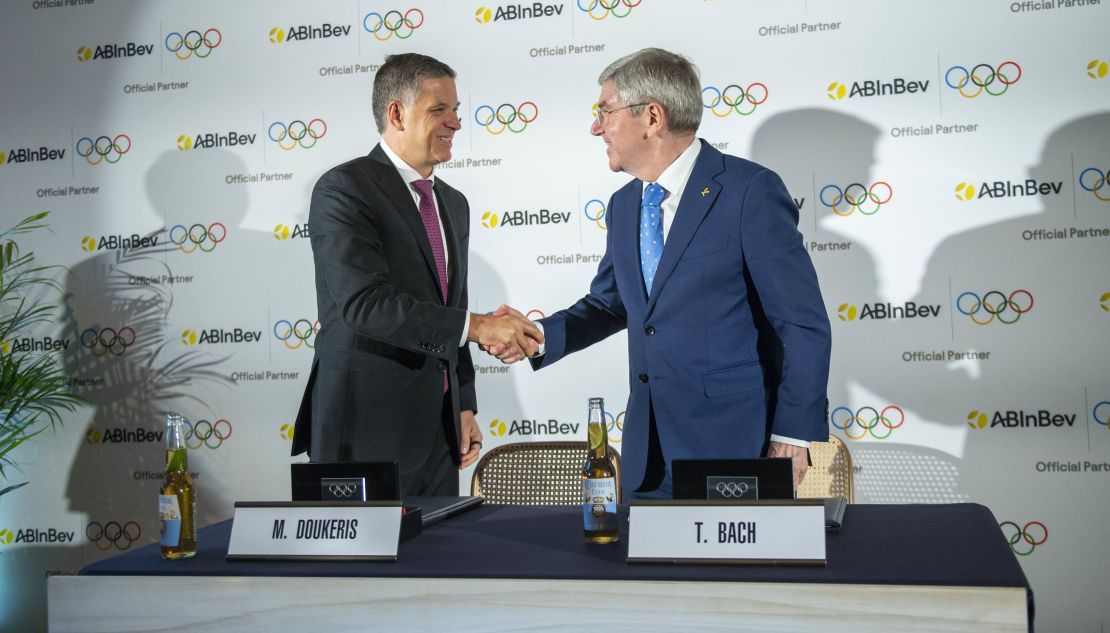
[(651, 232)]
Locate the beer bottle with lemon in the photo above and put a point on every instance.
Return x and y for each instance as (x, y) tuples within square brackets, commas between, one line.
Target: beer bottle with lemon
[(599, 481), (177, 502)]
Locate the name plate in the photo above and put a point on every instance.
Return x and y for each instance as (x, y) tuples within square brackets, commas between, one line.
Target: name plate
[(720, 531), (315, 530)]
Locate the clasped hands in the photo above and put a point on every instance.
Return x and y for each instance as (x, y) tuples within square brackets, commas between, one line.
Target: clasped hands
[(506, 334)]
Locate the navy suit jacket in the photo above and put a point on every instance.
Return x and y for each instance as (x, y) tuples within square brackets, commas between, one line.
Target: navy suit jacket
[(733, 342)]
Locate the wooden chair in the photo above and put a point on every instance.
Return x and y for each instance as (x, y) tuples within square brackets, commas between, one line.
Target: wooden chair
[(831, 472), (535, 473)]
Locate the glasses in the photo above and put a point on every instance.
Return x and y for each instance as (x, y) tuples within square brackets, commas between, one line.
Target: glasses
[(601, 114)]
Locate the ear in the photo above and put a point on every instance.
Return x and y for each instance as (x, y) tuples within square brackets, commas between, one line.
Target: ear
[(657, 118), (394, 116)]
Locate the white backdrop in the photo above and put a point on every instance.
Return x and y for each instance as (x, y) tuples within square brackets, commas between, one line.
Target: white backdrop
[(948, 159)]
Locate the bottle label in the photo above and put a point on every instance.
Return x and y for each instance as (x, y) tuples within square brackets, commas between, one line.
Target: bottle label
[(170, 514), (599, 504)]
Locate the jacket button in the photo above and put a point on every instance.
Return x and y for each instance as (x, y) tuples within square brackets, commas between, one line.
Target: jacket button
[(649, 330), (643, 377)]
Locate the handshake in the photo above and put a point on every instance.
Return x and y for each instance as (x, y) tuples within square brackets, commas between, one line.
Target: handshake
[(506, 334)]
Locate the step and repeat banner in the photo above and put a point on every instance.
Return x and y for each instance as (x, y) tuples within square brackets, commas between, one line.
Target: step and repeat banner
[(949, 162)]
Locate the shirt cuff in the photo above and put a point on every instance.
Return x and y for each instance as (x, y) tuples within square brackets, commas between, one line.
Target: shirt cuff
[(543, 346), (466, 328), (789, 440)]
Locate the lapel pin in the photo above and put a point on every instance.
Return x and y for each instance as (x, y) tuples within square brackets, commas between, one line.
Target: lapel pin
[(705, 192)]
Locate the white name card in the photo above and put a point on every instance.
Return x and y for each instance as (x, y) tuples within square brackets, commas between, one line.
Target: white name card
[(315, 530), (758, 532)]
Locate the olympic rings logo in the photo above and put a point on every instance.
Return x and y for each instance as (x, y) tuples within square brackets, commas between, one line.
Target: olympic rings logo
[(995, 304), (104, 148), (534, 314), (297, 133), (205, 433), (880, 424), (112, 533), (300, 332), (1024, 540), (1102, 418), (614, 424), (595, 210), (981, 78), (342, 490), (193, 43), (735, 99), (197, 237), (392, 23), (601, 9), (732, 489), (1094, 179), (505, 116), (108, 340), (856, 197)]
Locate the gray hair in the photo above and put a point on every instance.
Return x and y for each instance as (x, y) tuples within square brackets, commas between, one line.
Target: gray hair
[(666, 78), (399, 78)]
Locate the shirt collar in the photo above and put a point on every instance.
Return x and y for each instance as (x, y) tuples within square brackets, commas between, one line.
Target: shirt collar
[(674, 177), (408, 174)]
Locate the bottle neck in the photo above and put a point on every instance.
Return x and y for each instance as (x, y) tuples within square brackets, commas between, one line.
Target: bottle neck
[(176, 453), (597, 433)]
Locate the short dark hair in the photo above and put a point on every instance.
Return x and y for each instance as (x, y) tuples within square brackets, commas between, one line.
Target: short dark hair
[(399, 78)]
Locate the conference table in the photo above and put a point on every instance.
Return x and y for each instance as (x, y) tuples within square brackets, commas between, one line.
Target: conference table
[(526, 568)]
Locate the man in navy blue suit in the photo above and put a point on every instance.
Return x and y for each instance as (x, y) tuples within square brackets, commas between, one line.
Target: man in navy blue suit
[(728, 338)]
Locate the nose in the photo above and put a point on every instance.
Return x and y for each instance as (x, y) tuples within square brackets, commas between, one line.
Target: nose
[(454, 123), (595, 128)]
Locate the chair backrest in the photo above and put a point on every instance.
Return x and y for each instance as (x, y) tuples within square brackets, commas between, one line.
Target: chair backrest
[(535, 473), (831, 472)]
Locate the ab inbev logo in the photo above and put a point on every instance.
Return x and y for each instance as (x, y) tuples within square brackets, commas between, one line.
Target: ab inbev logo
[(514, 118), (867, 199), (304, 32), (219, 336), (214, 140), (297, 133), (967, 191), (112, 51), (1016, 419), (1025, 539), (982, 79), (522, 217), (1104, 301), (510, 12), (286, 432), (837, 91), (868, 421), (995, 306), (18, 155), (284, 232), (524, 426), (120, 435), (34, 535), (1097, 69), (848, 312), (393, 23), (734, 98), (193, 44)]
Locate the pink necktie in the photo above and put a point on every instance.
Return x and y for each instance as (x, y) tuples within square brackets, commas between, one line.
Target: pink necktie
[(431, 227)]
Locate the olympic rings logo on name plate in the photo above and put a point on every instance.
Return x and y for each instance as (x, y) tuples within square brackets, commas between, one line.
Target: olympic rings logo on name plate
[(983, 78), (1024, 540), (506, 116), (880, 424), (297, 333), (205, 433), (193, 43), (595, 210), (742, 101), (384, 27), (856, 197), (994, 304), (197, 237), (112, 533), (1101, 413), (601, 9), (108, 340), (297, 133), (732, 489), (342, 490), (103, 149), (614, 424), (1095, 180)]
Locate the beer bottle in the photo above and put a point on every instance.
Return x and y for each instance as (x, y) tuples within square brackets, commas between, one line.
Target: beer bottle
[(177, 502), (599, 489)]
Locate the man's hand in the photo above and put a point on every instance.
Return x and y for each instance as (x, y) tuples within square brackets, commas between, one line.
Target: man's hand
[(505, 333), (470, 439), (799, 454)]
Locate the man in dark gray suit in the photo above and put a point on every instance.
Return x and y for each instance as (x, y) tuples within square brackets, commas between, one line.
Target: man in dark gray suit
[(392, 377)]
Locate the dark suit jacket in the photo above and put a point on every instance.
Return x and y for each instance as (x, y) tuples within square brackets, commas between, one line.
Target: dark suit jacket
[(375, 392), (734, 341)]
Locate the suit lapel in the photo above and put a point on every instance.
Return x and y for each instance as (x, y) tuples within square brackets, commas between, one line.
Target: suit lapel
[(397, 192), (698, 197)]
